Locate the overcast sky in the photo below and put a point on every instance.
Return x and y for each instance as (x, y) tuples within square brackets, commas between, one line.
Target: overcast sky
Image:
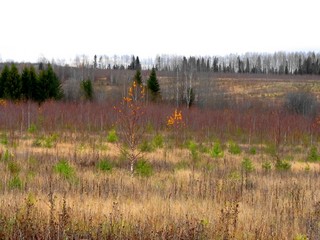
[(61, 29)]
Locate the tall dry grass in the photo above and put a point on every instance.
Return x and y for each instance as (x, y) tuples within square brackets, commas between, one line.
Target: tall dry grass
[(209, 199)]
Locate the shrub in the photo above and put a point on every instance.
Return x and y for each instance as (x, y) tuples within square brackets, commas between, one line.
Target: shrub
[(64, 169), (313, 155), (32, 128), (112, 136), (217, 151), (87, 89), (252, 150), (143, 168), (46, 141), (282, 165), (145, 146), (234, 148), (192, 146), (37, 142), (203, 148), (266, 166), (7, 155), (50, 141), (15, 183), (307, 168), (247, 165), (4, 139), (157, 141), (181, 165), (104, 166), (234, 175), (300, 103), (14, 167)]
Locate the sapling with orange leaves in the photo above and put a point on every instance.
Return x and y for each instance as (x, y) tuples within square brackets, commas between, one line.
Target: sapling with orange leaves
[(131, 123), (175, 122)]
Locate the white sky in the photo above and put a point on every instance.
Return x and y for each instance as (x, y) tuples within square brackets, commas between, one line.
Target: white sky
[(61, 29)]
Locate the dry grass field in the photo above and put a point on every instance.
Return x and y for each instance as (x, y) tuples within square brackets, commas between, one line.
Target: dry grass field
[(63, 190), (268, 87)]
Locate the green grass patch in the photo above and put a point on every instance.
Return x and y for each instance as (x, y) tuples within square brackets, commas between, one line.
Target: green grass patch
[(46, 141), (283, 165), (183, 164), (143, 168), (252, 150), (15, 183), (6, 156), (64, 169), (234, 148), (146, 146), (157, 141), (32, 129), (112, 136), (14, 168), (193, 148), (247, 165), (266, 166), (217, 151), (313, 155), (104, 166), (4, 139)]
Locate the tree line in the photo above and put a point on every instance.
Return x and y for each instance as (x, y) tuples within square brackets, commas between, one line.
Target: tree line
[(44, 84), (30, 84), (251, 63)]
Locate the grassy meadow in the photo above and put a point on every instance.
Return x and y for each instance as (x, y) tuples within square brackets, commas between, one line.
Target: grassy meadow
[(237, 173)]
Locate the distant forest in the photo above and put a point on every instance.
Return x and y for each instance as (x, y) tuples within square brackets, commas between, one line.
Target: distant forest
[(265, 63), (183, 80), (261, 63)]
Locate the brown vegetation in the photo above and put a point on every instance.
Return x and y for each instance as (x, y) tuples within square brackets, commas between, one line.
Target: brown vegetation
[(237, 173)]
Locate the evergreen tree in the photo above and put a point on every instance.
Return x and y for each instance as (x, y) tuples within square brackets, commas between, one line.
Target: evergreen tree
[(300, 66), (12, 87), (286, 71), (239, 64), (259, 65), (208, 65), (49, 85), (132, 64), (40, 66), (33, 81), (87, 89), (25, 83), (55, 90), (4, 79), (137, 64), (215, 65), (153, 85), (29, 83), (137, 77), (43, 85), (247, 66), (198, 65), (95, 64)]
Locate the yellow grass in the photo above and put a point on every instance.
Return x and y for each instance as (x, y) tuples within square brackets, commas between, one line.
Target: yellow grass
[(197, 200)]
